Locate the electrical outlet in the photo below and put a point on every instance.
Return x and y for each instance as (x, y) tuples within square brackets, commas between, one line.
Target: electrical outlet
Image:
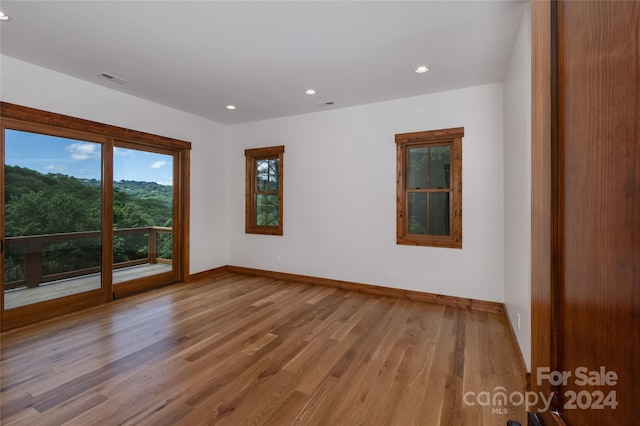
[(518, 320), (431, 278), (278, 260)]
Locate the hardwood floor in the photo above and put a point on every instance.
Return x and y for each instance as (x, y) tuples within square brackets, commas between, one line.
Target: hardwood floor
[(246, 350)]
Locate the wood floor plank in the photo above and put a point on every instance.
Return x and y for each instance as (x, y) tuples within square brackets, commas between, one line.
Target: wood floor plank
[(358, 396), (239, 349), (72, 408)]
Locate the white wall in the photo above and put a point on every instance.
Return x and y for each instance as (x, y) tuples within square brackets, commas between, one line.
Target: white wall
[(340, 192), (339, 210), (28, 85), (517, 187)]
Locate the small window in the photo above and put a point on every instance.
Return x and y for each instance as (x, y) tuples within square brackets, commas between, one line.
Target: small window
[(264, 190), (429, 188)]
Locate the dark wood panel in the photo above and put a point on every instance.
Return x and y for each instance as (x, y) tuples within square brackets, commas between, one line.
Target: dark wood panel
[(599, 139), (586, 205), (252, 350)]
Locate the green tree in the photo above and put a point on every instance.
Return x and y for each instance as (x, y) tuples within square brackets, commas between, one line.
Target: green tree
[(37, 204)]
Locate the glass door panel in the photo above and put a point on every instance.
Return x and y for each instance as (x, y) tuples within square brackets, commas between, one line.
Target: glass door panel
[(143, 217), (52, 217)]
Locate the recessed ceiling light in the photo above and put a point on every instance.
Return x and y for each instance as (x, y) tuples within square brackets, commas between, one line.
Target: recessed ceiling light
[(310, 92), (421, 69), (4, 16), (230, 107)]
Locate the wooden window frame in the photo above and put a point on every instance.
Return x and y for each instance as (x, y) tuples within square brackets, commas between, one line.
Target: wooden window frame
[(252, 156), (405, 141)]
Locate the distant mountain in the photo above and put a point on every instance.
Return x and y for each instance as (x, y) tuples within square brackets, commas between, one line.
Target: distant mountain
[(37, 203), (137, 189)]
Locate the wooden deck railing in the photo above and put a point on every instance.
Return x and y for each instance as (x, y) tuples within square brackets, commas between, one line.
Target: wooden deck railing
[(33, 244)]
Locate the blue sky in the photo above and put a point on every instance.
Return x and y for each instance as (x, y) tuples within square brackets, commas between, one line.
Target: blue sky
[(81, 159)]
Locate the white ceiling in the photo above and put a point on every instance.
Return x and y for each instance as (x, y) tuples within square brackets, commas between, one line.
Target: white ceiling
[(199, 56)]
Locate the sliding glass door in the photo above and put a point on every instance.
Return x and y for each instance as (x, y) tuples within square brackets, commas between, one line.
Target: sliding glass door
[(52, 216), (89, 213), (143, 217)]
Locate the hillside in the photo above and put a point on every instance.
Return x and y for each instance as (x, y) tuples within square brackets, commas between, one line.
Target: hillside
[(36, 203), (139, 190)]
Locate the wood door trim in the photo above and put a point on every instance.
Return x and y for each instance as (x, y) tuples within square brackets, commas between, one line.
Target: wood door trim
[(25, 315), (141, 285), (2, 236), (556, 314), (33, 115), (544, 197)]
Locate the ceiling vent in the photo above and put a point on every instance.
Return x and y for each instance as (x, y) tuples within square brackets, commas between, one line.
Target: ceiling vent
[(112, 77), (325, 104)]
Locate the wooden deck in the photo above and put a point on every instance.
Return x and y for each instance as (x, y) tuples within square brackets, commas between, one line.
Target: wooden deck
[(61, 288), (246, 350)]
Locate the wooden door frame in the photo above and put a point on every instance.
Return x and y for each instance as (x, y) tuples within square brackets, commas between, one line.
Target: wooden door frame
[(569, 313), (62, 124), (545, 314)]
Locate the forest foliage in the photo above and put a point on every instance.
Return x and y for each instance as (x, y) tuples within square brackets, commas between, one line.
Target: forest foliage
[(38, 204)]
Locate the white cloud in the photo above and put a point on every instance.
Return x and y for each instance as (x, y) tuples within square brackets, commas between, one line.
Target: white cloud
[(124, 152), (158, 164), (84, 151)]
